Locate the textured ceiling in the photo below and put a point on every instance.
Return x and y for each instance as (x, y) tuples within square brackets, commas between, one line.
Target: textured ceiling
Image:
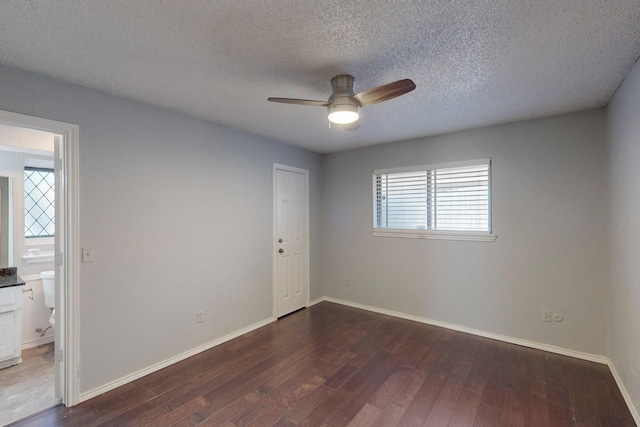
[(475, 63)]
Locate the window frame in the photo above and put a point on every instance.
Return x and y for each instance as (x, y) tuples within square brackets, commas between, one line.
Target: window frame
[(43, 238), (478, 236)]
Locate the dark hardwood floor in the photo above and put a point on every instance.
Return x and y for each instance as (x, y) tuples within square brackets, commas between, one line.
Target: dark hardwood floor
[(331, 365)]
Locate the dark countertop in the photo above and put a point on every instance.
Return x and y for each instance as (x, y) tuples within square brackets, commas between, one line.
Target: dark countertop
[(9, 277)]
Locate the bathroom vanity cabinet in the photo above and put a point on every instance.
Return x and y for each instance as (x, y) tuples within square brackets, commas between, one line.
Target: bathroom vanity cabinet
[(10, 325)]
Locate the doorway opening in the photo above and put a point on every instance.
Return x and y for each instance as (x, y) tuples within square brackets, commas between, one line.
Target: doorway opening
[(38, 152)]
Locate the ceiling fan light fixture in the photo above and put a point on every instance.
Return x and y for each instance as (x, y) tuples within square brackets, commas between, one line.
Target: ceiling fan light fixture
[(343, 114), (343, 104)]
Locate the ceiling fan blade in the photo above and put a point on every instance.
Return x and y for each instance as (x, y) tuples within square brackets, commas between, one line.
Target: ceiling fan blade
[(384, 92), (299, 101)]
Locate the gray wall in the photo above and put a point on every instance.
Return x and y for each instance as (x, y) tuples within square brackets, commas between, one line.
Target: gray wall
[(624, 318), (549, 213), (179, 213)]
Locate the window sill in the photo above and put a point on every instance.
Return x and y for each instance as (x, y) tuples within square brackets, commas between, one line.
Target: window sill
[(435, 235), (39, 250), (38, 258)]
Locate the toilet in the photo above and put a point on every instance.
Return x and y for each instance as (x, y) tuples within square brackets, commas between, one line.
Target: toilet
[(49, 286)]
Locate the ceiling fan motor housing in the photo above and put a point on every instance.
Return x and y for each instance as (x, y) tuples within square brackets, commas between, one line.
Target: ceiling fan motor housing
[(343, 108)]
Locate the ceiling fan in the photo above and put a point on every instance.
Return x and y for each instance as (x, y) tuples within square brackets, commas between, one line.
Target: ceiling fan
[(343, 104)]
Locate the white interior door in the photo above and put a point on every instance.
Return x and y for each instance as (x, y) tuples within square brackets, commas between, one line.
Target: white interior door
[(291, 234)]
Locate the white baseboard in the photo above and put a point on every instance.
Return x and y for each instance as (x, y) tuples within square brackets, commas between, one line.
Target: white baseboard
[(634, 412), (36, 342), (150, 369), (316, 301), (526, 343)]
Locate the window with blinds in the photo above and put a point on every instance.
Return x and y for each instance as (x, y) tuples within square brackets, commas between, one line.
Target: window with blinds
[(453, 197)]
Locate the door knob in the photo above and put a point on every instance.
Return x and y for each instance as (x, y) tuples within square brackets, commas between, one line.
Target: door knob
[(280, 250)]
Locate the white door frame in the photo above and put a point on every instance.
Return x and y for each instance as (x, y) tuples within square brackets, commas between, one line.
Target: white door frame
[(305, 172), (67, 245)]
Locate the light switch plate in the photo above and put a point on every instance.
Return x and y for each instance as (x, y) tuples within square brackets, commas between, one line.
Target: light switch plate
[(87, 255)]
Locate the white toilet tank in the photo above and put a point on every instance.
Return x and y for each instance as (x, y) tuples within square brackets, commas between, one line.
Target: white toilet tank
[(49, 286)]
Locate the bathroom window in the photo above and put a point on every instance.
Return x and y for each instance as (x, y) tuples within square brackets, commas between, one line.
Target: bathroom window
[(39, 202)]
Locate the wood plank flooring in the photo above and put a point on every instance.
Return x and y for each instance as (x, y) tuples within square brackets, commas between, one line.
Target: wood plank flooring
[(331, 365), (28, 387)]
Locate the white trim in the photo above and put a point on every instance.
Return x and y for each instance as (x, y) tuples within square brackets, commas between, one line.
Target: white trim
[(625, 394), (505, 338), (71, 265), (10, 362), (305, 172), (39, 241), (153, 368), (37, 342), (435, 166), (40, 258), (67, 245), (39, 249), (30, 162), (434, 235), (315, 301)]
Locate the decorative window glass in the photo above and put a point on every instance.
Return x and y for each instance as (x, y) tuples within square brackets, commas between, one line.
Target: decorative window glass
[(454, 198), (39, 202)]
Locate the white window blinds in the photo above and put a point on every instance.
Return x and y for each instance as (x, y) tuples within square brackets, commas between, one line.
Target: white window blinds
[(452, 197)]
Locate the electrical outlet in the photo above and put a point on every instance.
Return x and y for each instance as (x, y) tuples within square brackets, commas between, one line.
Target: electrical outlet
[(199, 317), (558, 317), (545, 315)]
